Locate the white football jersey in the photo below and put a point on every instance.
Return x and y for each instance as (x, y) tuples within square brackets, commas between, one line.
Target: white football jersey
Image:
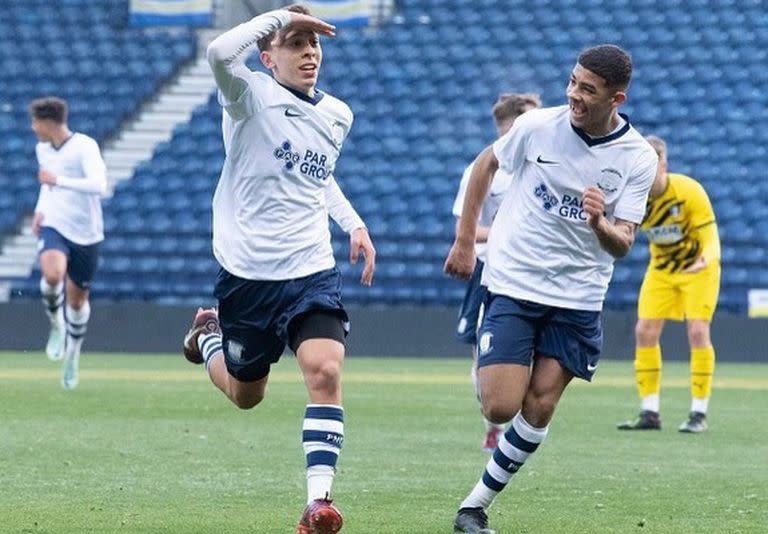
[(73, 208), (540, 247), (270, 219), (500, 185)]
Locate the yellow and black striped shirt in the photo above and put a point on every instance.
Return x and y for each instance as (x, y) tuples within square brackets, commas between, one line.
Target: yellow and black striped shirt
[(675, 223)]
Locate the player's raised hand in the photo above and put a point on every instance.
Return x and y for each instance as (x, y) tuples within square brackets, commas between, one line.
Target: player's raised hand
[(461, 260), (46, 177), (360, 241), (301, 22), (593, 201)]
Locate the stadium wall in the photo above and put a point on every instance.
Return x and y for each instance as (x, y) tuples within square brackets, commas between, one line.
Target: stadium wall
[(380, 331)]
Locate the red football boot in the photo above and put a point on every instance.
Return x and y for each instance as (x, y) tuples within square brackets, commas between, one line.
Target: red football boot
[(320, 517), (492, 438), (205, 322)]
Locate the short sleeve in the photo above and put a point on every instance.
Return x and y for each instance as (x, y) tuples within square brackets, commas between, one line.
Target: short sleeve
[(458, 204), (631, 204), (510, 148)]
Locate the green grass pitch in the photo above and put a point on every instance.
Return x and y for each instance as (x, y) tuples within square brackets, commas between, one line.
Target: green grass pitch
[(147, 444)]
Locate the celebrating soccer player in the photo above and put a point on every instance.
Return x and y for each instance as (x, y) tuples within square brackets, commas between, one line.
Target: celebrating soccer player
[(682, 282), (506, 109), (69, 224), (278, 284), (582, 175)]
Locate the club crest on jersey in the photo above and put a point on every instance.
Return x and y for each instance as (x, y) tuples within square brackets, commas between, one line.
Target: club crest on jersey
[(337, 133), (609, 180), (313, 164), (548, 199)]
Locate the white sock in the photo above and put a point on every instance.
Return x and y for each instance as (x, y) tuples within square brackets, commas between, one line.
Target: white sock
[(699, 405), (77, 324), (53, 298), (319, 482), (650, 403), (210, 346)]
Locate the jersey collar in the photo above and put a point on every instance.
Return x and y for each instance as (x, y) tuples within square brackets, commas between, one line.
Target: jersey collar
[(303, 96), (64, 142), (594, 141)]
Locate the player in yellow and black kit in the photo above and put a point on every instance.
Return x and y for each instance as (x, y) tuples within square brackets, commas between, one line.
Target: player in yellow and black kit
[(682, 283)]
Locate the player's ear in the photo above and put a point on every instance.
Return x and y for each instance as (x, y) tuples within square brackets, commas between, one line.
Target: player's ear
[(619, 97), (266, 59)]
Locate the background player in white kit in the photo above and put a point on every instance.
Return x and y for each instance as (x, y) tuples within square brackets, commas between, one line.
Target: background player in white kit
[(278, 284), (507, 108), (582, 176), (69, 224)]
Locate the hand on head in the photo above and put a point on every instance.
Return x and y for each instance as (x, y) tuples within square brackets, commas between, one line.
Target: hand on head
[(307, 23)]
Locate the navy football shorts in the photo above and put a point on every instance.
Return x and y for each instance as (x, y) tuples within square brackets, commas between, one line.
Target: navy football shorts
[(514, 330), (466, 329), (258, 317), (82, 260)]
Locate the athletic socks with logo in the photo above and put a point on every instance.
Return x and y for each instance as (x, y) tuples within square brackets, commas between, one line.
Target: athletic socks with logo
[(517, 444), (53, 298), (322, 439), (77, 324)]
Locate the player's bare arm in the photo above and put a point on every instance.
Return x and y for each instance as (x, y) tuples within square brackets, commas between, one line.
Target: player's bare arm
[(461, 259), (481, 236), (617, 238), (360, 241)]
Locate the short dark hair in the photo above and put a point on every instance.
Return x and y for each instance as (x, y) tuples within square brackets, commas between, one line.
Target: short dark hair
[(50, 108), (265, 43), (510, 106), (610, 62)]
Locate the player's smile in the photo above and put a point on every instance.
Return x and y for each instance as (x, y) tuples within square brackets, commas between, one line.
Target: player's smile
[(579, 112)]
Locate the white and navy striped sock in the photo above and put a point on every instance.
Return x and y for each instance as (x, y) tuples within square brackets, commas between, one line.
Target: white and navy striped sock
[(518, 443), (53, 299), (322, 437), (77, 325), (210, 345)]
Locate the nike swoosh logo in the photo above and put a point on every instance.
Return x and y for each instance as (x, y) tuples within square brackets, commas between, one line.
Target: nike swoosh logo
[(290, 113), (545, 161), (591, 368)]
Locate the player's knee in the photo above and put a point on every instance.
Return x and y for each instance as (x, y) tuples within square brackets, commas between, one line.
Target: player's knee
[(698, 334), (53, 277), (497, 412), (646, 333), (324, 377)]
